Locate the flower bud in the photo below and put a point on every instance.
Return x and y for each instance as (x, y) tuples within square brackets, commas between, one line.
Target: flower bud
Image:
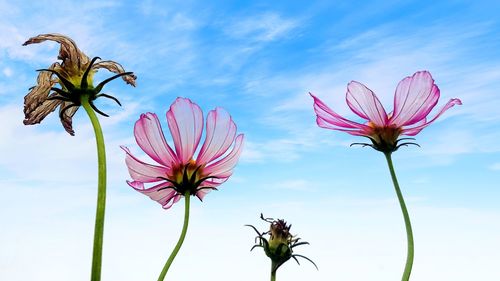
[(278, 242)]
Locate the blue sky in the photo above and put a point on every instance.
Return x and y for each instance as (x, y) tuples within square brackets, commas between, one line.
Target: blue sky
[(258, 60)]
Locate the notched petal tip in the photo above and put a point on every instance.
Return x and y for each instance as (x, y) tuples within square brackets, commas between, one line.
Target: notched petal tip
[(456, 101)]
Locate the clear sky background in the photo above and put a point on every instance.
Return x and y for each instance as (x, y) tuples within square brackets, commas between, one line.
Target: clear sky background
[(258, 60)]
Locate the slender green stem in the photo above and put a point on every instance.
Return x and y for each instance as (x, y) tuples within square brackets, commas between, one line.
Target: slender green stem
[(409, 233), (101, 192), (273, 271), (181, 239)]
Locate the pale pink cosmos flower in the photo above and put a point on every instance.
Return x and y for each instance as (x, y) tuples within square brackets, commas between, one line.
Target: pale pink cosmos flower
[(414, 99), (178, 171)]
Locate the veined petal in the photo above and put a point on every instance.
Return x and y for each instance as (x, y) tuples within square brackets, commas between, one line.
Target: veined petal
[(365, 103), (149, 136), (36, 105), (355, 132), (68, 53), (415, 130), (327, 118), (36, 115), (224, 167), (201, 193), (116, 68), (166, 197), (414, 99), (220, 134), (67, 116), (144, 172), (185, 121), (213, 182)]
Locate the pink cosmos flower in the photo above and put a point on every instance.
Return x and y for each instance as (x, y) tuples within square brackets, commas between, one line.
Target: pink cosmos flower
[(414, 99), (178, 173)]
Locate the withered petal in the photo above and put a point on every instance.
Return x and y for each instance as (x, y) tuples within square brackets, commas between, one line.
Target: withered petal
[(67, 117), (38, 95), (68, 53), (38, 114), (116, 68)]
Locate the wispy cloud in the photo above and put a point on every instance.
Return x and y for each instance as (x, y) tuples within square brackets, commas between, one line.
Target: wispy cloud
[(263, 27), (380, 58), (42, 152), (495, 166)]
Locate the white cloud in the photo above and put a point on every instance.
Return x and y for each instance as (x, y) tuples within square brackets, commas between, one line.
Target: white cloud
[(495, 166), (265, 27), (37, 153), (7, 71)]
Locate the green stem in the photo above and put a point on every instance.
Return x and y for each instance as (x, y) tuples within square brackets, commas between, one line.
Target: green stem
[(409, 233), (181, 239), (101, 192), (273, 271)]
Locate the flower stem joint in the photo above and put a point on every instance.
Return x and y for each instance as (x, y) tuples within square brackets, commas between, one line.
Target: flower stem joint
[(280, 245)]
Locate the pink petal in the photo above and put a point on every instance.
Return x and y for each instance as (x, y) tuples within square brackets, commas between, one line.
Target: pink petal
[(414, 99), (140, 171), (150, 138), (365, 103), (223, 167), (327, 118), (323, 124), (166, 197), (201, 193), (415, 130), (220, 134), (212, 183), (185, 121)]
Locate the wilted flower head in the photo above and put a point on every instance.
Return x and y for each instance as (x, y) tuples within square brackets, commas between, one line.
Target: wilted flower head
[(280, 242), (178, 172), (414, 99), (75, 76)]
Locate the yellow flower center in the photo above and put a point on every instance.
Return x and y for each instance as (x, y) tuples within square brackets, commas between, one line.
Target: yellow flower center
[(74, 74)]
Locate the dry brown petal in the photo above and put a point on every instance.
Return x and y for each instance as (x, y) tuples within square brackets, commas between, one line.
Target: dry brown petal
[(116, 68), (74, 63), (68, 53), (34, 101), (67, 117), (39, 113)]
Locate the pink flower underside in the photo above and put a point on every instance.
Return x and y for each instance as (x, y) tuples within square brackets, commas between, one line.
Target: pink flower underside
[(220, 135), (414, 99), (149, 136), (166, 197), (327, 118), (185, 121), (365, 103), (423, 123)]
